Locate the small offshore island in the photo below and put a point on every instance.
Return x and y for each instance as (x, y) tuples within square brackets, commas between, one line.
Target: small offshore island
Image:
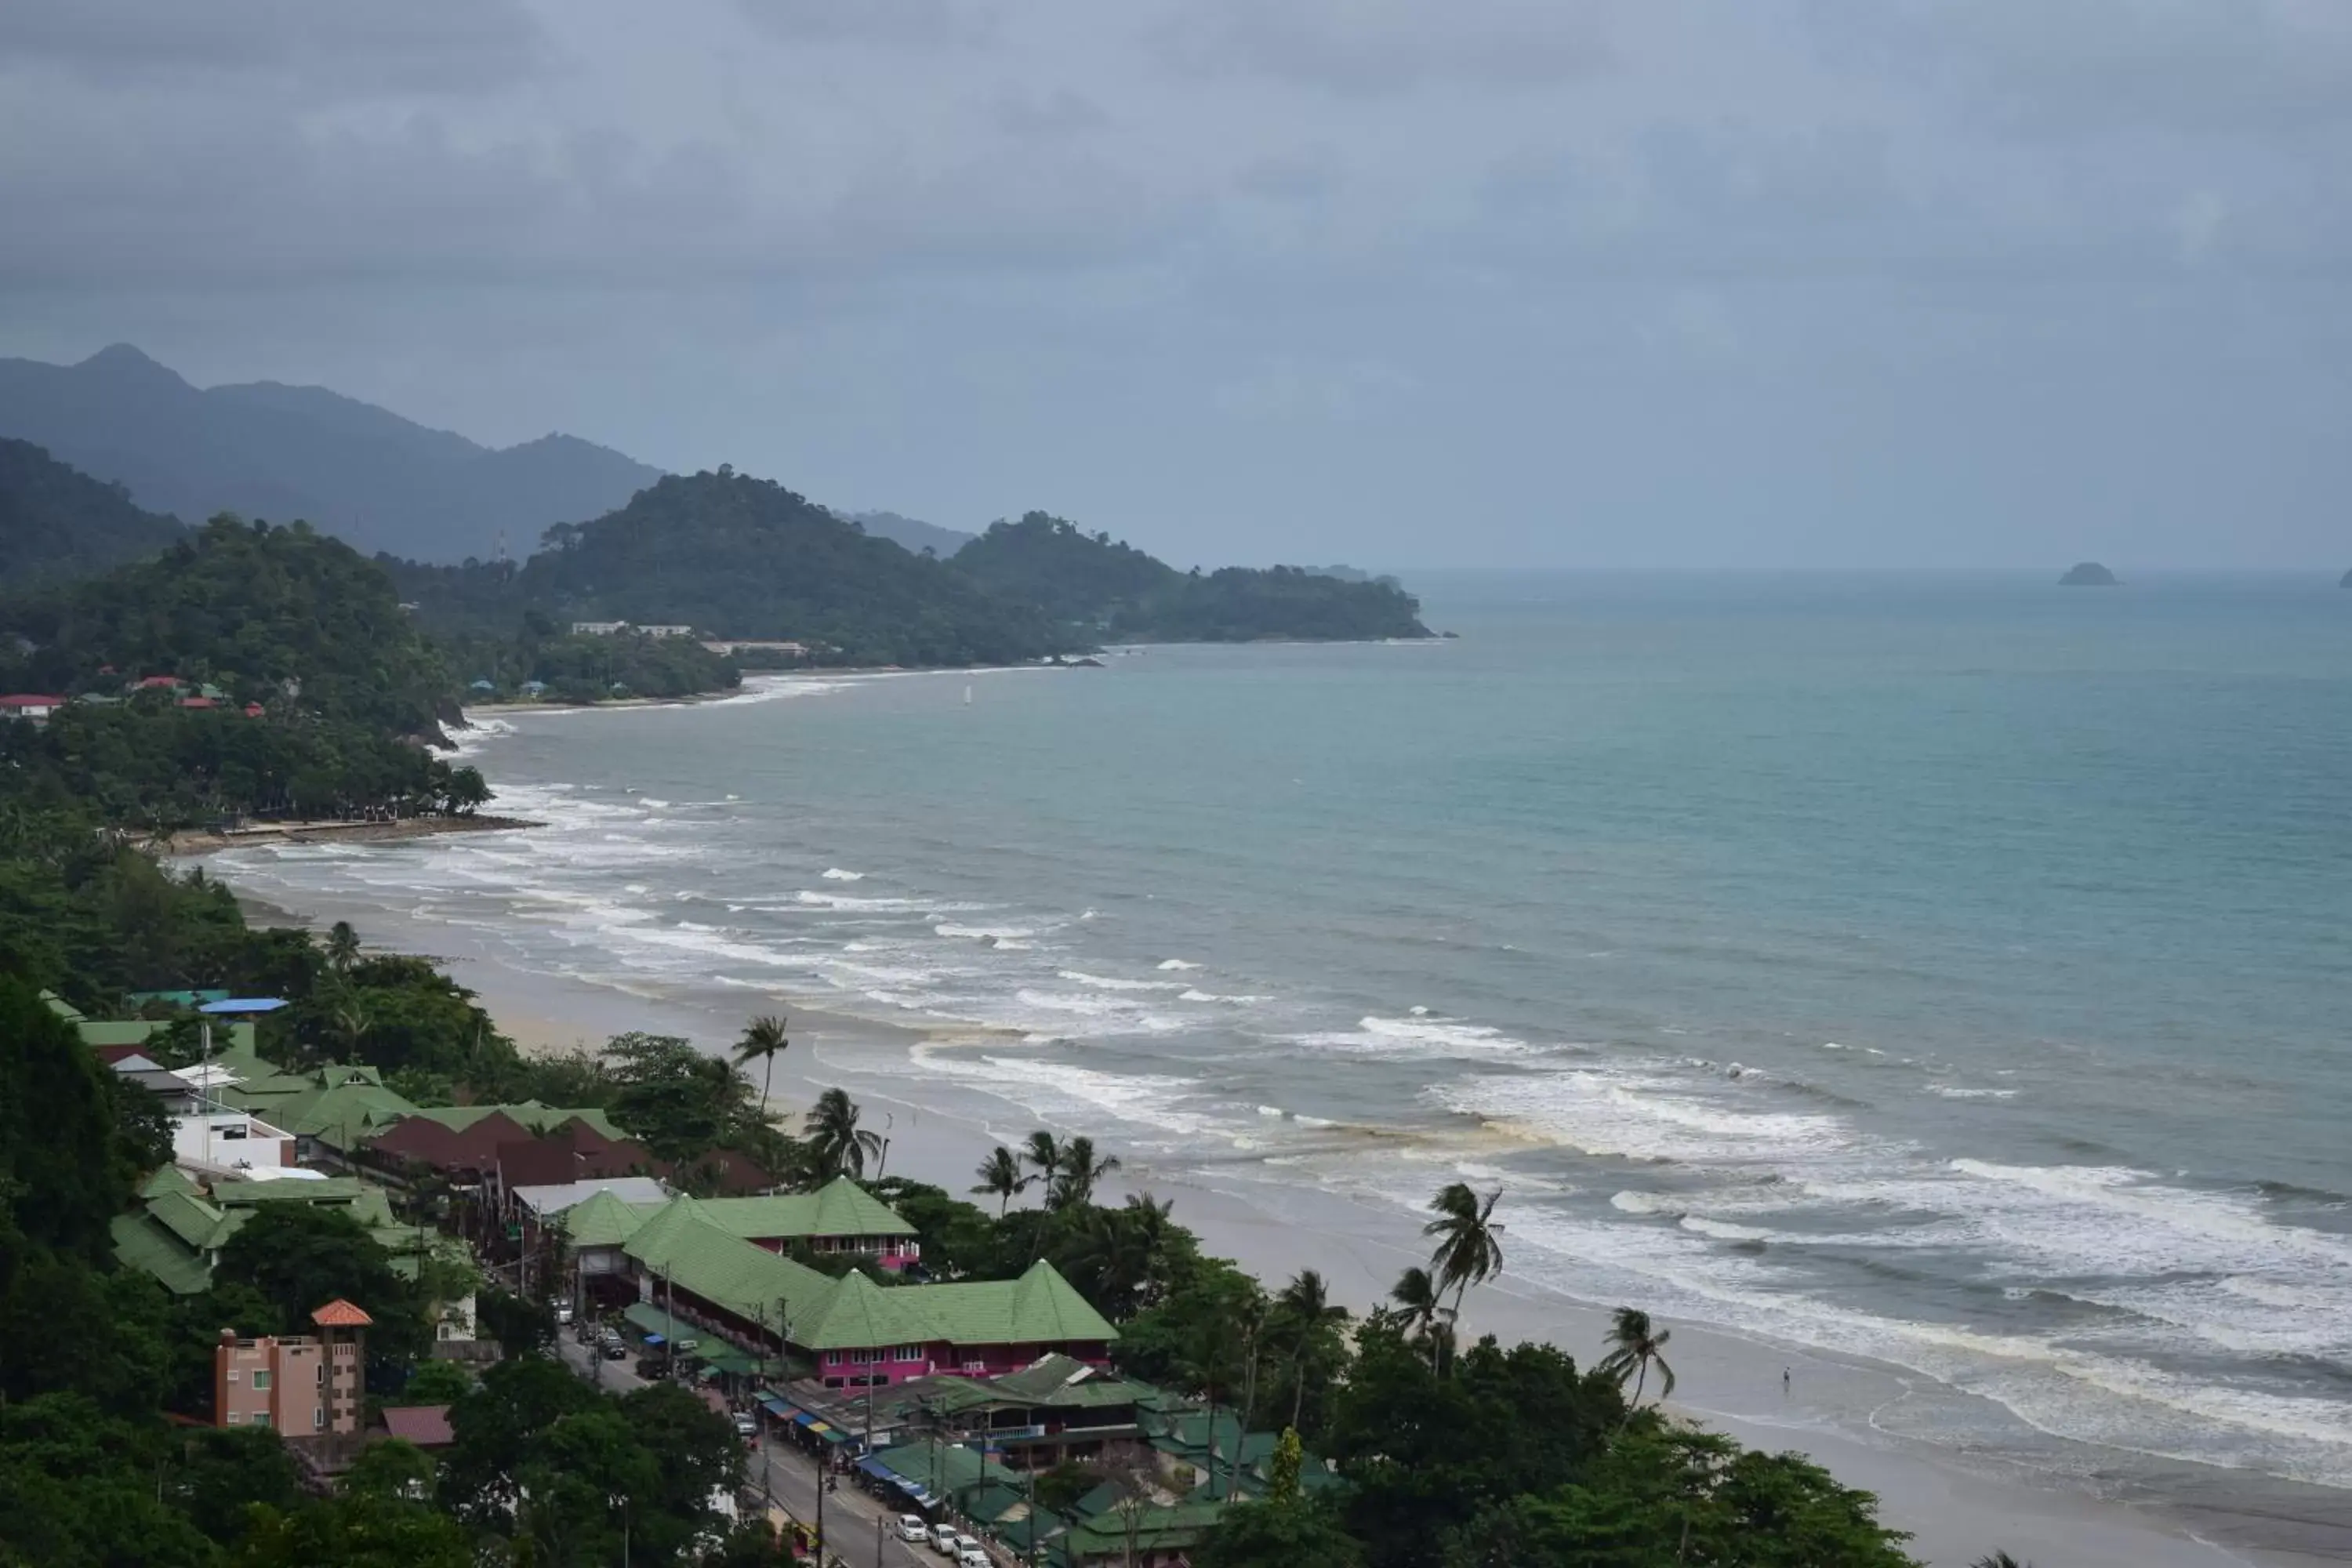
[(2089, 575)]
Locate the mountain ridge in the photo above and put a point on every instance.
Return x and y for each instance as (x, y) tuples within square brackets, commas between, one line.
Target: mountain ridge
[(273, 449)]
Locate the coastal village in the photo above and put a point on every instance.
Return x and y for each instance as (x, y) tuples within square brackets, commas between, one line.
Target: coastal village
[(940, 1402)]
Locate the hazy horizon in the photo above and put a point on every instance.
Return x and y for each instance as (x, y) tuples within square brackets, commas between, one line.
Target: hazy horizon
[(2003, 285)]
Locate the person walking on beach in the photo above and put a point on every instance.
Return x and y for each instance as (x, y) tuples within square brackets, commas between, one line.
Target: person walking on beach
[(1784, 1382)]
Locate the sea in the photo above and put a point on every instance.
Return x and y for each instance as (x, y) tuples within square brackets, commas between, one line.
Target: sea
[(1945, 969)]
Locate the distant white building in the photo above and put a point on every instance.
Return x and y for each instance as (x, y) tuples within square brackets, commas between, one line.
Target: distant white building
[(615, 628)]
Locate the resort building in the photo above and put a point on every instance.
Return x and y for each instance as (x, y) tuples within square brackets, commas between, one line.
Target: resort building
[(701, 1270), (302, 1385)]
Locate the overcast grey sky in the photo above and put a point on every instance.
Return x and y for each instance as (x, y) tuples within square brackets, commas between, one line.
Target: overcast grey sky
[(1396, 281)]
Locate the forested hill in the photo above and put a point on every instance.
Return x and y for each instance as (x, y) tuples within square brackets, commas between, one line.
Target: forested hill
[(279, 615), (1115, 591), (739, 557), (56, 523)]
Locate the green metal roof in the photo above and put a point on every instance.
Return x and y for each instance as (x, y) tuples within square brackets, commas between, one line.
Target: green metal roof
[(196, 1224), (840, 1207), (140, 1243), (338, 1106), (166, 1179), (853, 1312), (603, 1220), (1157, 1527)]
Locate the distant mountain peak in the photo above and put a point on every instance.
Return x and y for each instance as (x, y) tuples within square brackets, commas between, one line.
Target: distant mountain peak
[(126, 361), (283, 450)]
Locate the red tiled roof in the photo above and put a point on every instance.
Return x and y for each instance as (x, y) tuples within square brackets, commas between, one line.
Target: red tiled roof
[(31, 699), (253, 710), (341, 1314), (152, 682), (112, 1054), (426, 1426), (199, 702)]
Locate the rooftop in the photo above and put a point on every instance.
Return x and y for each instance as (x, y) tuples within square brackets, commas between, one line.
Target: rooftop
[(697, 1255)]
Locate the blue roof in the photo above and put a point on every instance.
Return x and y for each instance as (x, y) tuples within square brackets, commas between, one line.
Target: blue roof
[(245, 1005)]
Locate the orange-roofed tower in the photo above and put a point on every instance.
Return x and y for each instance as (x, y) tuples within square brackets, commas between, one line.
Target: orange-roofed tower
[(343, 1329)]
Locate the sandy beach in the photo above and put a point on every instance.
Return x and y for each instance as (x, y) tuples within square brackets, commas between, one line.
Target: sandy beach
[(1956, 1510), (391, 832)]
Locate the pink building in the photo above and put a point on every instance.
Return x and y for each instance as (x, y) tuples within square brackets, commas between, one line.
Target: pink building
[(302, 1385)]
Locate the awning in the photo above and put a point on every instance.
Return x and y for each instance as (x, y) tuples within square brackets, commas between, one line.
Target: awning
[(654, 1342), (775, 1407), (914, 1490)]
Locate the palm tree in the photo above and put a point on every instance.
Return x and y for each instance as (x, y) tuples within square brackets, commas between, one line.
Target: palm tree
[(1075, 1187), (343, 947), (1467, 1251), (839, 1145), (1304, 1311), (1999, 1560), (1415, 1295), (763, 1041), (1044, 1151), (1636, 1348), (1420, 1304), (999, 1173)]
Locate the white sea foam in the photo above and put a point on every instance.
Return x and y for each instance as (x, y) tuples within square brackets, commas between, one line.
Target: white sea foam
[(1724, 1230), (1599, 1111), (812, 898), (1414, 1037), (1176, 963), (835, 874), (1954, 1091), (1194, 994), (1109, 983)]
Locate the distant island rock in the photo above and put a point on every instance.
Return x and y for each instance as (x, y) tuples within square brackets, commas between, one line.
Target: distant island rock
[(2089, 575)]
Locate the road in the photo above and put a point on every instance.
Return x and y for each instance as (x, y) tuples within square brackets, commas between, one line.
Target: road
[(791, 1477)]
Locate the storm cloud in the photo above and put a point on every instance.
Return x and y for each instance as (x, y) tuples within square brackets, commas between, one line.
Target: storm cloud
[(1585, 281)]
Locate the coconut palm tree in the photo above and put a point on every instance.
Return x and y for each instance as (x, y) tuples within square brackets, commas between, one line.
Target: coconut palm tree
[(1044, 1151), (1999, 1560), (1304, 1316), (1000, 1175), (1635, 1348), (343, 947), (838, 1145), (763, 1041), (1075, 1187), (1468, 1252), (1421, 1307)]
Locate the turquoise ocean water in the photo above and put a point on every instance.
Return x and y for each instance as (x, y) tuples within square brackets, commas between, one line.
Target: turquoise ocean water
[(1947, 969)]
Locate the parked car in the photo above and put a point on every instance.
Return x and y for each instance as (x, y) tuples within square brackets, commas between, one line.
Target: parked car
[(912, 1527), (563, 1312), (973, 1556), (944, 1540), (747, 1423), (615, 1351)]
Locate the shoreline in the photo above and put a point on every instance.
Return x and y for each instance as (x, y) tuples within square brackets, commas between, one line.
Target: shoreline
[(187, 842), (1956, 1509)]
